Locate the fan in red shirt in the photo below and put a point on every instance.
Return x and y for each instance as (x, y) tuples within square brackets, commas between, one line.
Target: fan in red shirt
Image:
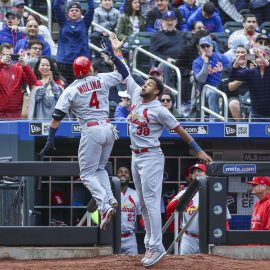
[(11, 78), (260, 219)]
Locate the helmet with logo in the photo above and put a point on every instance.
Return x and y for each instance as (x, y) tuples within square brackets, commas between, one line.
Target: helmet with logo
[(57, 198), (81, 66)]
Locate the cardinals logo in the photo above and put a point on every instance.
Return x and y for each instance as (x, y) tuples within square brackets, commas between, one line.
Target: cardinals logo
[(191, 208)]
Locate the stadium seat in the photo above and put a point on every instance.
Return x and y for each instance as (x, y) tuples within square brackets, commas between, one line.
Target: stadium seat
[(140, 39), (222, 36), (231, 26), (244, 12), (265, 28)]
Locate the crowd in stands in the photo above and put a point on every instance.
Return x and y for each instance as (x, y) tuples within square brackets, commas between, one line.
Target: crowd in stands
[(195, 36)]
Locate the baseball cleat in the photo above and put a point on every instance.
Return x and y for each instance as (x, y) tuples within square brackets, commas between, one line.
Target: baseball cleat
[(153, 257), (106, 218), (145, 255)]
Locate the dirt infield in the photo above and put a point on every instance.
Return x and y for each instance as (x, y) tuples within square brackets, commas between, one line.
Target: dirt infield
[(121, 262)]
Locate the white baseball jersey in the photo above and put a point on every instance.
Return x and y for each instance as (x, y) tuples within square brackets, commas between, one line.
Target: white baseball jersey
[(147, 120), (189, 211), (88, 97), (129, 210)]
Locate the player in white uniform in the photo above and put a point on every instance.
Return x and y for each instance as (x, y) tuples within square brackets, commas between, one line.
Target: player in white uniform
[(130, 213), (147, 120), (87, 98), (190, 239)]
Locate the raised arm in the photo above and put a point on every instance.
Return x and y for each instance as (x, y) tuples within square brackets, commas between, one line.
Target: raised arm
[(88, 16), (59, 13)]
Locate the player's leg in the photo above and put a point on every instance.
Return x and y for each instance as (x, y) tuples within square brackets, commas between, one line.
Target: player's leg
[(137, 182), (129, 245), (90, 143), (102, 174), (189, 245), (151, 171)]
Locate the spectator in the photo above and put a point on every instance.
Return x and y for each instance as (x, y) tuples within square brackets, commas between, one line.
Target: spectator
[(131, 22), (18, 7), (258, 80), (34, 53), (5, 7), (168, 43), (146, 6), (49, 87), (32, 34), (187, 9), (130, 213), (168, 102), (209, 16), (207, 69), (123, 108), (154, 16), (11, 78), (7, 35), (235, 88), (190, 239), (240, 40), (262, 40), (73, 35), (260, 219), (197, 26), (249, 30), (42, 31), (106, 16), (261, 9)]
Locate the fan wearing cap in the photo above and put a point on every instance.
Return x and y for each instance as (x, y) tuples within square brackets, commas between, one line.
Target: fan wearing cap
[(154, 16), (190, 240), (207, 69), (5, 7), (258, 80), (168, 43), (6, 34), (260, 219), (122, 110), (18, 7), (73, 35)]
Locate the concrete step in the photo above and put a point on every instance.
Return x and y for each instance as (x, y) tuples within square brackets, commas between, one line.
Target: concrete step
[(242, 252), (39, 253)]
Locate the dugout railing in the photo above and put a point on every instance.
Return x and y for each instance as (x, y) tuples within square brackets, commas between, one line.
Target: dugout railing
[(53, 235)]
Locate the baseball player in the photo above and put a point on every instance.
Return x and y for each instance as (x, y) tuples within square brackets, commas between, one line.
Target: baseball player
[(130, 212), (260, 219), (147, 120), (87, 98), (190, 240)]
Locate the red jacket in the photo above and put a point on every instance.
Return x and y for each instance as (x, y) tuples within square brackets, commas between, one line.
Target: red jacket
[(11, 80), (260, 219)]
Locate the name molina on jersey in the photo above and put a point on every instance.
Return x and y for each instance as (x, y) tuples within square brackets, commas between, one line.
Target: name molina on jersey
[(90, 86)]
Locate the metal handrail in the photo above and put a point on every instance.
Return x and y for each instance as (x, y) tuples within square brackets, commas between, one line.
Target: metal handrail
[(178, 73), (205, 109), (47, 19)]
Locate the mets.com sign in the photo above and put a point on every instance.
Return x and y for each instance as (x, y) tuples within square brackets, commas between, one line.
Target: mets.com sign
[(239, 168)]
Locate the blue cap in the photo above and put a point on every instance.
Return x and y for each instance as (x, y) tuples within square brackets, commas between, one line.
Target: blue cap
[(205, 40), (168, 14)]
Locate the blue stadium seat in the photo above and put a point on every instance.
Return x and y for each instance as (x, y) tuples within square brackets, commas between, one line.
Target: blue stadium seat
[(231, 26), (265, 28)]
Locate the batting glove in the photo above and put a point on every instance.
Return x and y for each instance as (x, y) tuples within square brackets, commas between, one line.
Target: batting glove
[(107, 47)]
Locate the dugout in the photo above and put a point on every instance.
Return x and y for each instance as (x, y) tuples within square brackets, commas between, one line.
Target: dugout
[(224, 141)]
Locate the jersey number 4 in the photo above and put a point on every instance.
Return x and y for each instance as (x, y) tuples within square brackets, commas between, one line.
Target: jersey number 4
[(94, 102)]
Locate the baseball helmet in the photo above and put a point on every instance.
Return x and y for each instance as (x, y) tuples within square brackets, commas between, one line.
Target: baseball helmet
[(81, 66)]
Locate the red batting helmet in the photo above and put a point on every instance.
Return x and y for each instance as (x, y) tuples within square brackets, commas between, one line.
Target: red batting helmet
[(81, 66)]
